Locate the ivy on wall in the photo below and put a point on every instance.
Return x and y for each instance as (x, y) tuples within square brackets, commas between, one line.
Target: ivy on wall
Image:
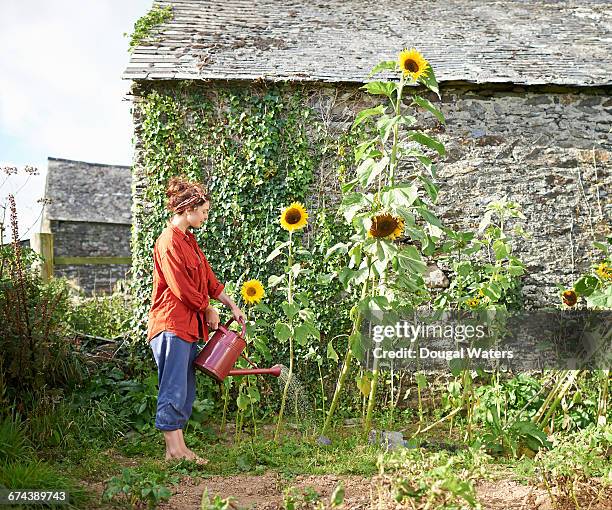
[(257, 150)]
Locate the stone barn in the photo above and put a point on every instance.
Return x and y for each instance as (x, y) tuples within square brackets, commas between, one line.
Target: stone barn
[(525, 88), (89, 218)]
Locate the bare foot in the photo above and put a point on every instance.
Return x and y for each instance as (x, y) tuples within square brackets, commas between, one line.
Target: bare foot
[(193, 456), (186, 454)]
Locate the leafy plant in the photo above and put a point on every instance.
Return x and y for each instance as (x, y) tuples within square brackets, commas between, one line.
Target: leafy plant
[(380, 209), (145, 25), (136, 489), (217, 503), (435, 480)]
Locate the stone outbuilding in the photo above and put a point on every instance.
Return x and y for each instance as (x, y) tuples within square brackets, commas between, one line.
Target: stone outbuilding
[(525, 88), (89, 217)]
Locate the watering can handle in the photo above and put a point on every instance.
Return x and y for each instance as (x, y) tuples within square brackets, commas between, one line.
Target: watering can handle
[(243, 334)]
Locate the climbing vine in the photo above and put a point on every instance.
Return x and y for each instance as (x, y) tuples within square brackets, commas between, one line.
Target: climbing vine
[(256, 151)]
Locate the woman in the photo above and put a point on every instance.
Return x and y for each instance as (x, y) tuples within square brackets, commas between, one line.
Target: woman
[(183, 283)]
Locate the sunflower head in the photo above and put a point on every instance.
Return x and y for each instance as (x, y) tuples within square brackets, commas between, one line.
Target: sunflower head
[(413, 64), (604, 271), (473, 302), (386, 226), (570, 298), (252, 292), (294, 217)]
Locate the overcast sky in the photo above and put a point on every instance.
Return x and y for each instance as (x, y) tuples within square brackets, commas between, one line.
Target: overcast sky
[(61, 92)]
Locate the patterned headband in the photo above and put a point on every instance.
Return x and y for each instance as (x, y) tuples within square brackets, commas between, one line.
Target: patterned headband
[(183, 205)]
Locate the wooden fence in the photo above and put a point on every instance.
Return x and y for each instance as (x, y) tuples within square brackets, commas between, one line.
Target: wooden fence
[(42, 243)]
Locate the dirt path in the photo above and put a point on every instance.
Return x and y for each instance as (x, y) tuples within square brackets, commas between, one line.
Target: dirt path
[(265, 492)]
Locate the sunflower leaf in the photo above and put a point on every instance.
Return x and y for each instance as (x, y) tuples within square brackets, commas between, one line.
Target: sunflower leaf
[(349, 186), (376, 170), (356, 345), (341, 247), (601, 298), (427, 104), (331, 353), (429, 80), (282, 331), (277, 251), (385, 65), (385, 125), (379, 88), (361, 149), (410, 259), (430, 142), (365, 169), (428, 164), (351, 204), (430, 187), (367, 113), (290, 309), (401, 195), (429, 217), (380, 251), (274, 280)]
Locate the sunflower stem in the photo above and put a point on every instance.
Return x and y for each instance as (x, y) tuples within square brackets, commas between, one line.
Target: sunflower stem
[(290, 374), (398, 109), (347, 358)]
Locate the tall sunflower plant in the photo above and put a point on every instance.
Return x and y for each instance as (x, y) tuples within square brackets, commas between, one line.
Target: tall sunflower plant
[(384, 211), (297, 326), (251, 295)]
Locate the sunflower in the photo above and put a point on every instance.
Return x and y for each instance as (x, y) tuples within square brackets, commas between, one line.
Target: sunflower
[(386, 226), (252, 291), (473, 302), (570, 298), (604, 271), (294, 217), (412, 63)]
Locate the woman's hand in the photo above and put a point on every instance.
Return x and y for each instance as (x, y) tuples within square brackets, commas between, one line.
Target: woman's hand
[(211, 316), (238, 315)]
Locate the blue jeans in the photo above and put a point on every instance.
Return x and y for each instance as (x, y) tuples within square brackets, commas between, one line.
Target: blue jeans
[(176, 375)]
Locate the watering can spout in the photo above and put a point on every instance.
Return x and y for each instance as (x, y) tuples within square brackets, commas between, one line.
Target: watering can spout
[(274, 371)]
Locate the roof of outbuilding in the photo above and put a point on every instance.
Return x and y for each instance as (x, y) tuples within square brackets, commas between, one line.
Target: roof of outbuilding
[(479, 41), (88, 192)]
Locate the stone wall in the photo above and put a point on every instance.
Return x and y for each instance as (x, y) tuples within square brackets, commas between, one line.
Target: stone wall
[(549, 149), (79, 239)]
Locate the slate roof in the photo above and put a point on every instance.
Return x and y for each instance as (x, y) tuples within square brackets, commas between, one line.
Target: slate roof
[(88, 192), (566, 42)]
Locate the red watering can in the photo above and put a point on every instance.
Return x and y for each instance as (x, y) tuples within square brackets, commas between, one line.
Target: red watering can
[(222, 351)]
